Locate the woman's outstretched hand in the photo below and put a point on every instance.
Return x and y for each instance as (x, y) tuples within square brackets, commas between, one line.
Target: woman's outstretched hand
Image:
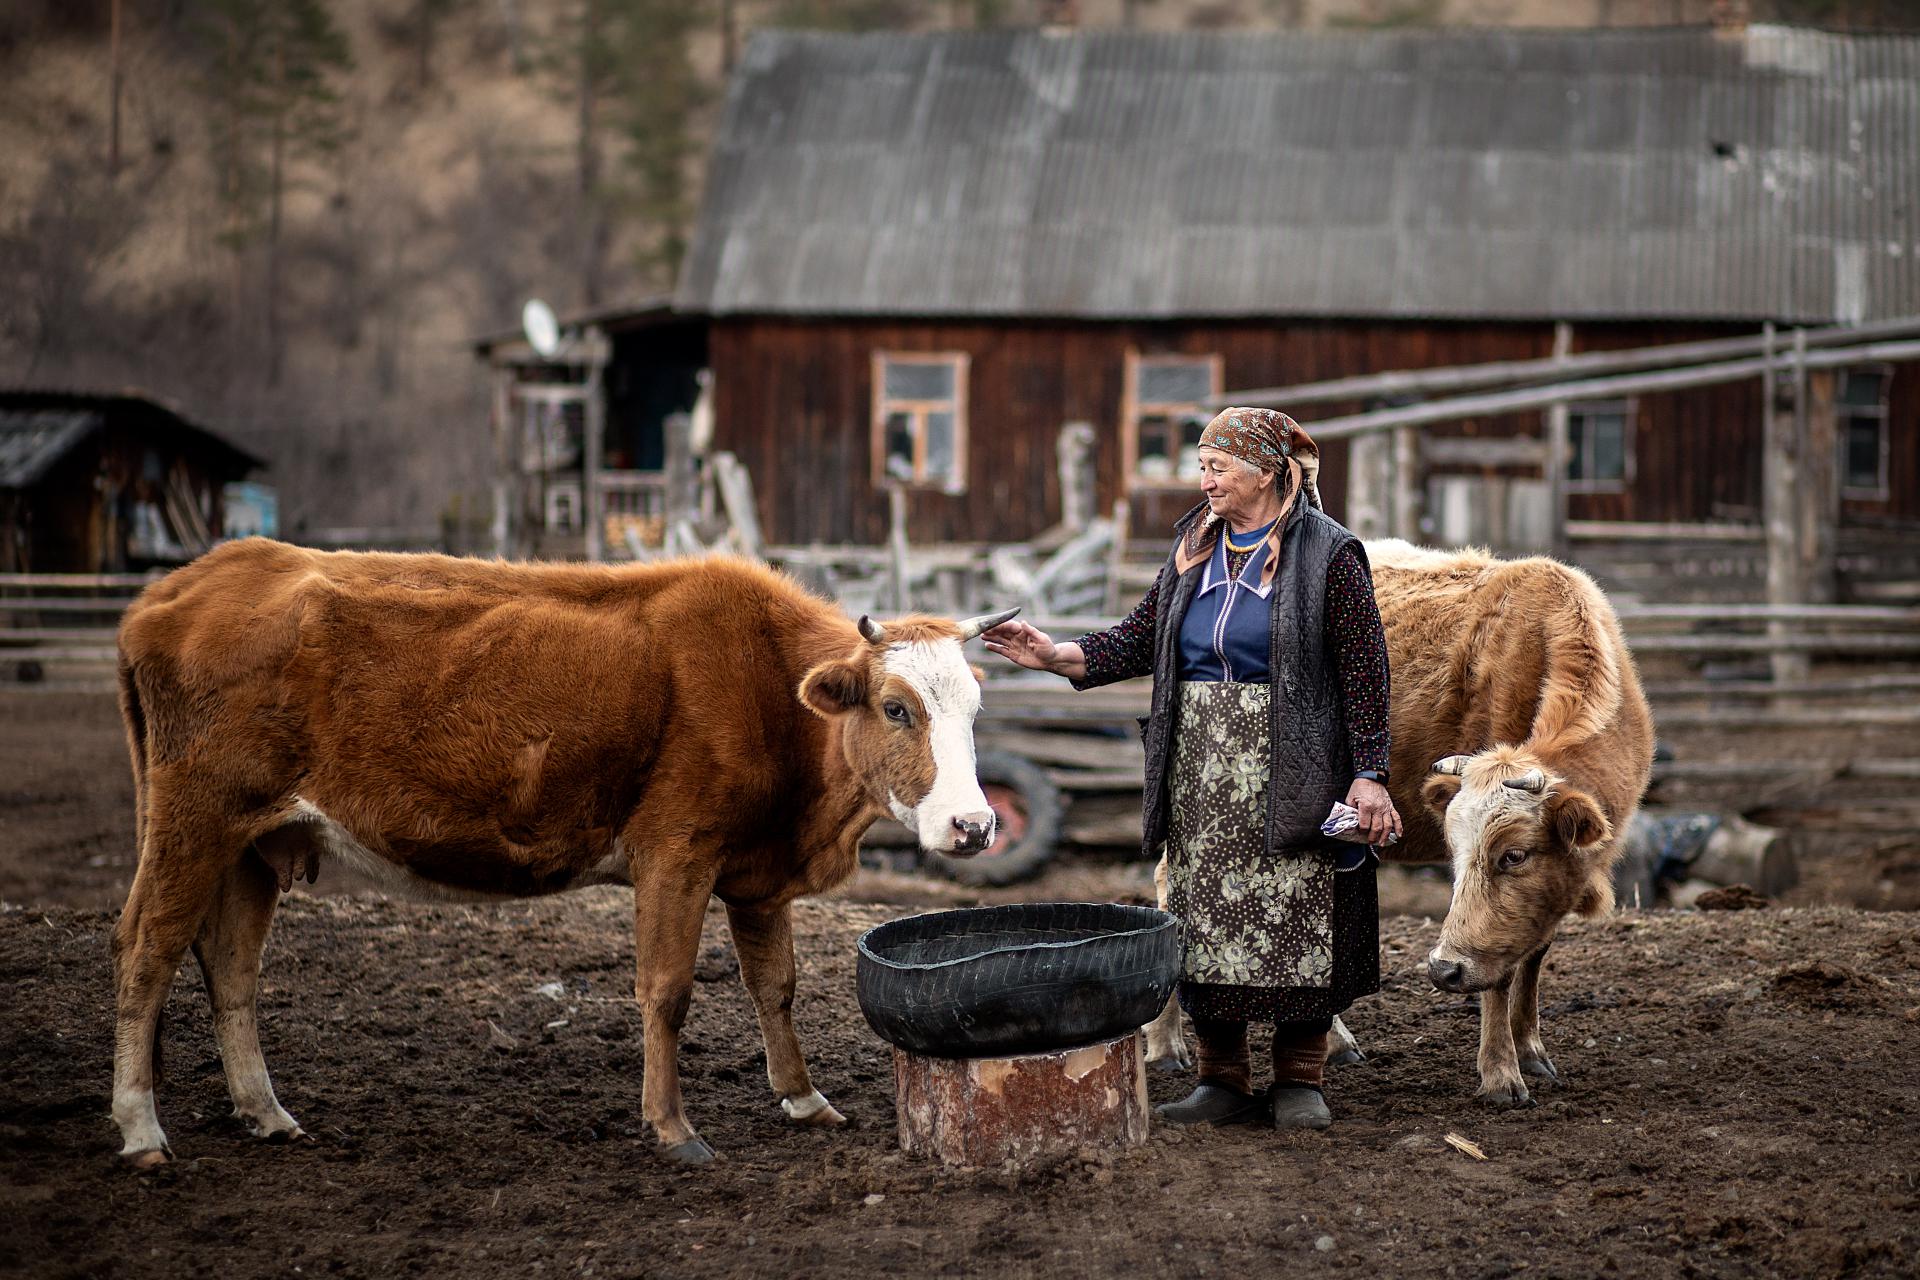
[(1035, 650), (1023, 645)]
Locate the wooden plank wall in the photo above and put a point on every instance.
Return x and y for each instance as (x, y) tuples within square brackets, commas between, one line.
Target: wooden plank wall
[(792, 400)]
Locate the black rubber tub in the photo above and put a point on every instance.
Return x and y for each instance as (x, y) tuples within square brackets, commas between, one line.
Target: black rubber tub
[(1030, 978)]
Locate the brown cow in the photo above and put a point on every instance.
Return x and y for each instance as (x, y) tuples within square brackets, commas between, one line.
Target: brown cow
[(694, 728), (1521, 746)]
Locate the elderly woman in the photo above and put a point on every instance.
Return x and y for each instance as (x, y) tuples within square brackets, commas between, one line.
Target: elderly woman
[(1269, 671)]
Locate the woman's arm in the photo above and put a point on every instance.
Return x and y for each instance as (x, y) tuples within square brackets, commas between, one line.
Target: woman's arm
[(1098, 658), (1359, 646), (1122, 651)]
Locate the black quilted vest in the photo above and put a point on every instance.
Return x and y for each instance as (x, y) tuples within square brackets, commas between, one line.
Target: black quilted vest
[(1312, 762)]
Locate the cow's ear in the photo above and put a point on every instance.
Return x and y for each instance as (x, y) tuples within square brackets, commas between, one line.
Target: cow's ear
[(834, 688), (1439, 792), (1575, 820), (979, 672)]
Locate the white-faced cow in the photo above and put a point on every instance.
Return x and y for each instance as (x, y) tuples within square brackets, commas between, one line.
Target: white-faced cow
[(695, 728), (1521, 746)]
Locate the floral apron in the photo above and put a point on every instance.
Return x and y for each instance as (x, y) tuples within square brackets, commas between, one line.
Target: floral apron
[(1252, 918)]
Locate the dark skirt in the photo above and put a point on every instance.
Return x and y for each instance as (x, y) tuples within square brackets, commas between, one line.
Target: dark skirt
[(1356, 967)]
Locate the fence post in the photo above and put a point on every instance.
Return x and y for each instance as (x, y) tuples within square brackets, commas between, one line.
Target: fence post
[(1559, 452), (592, 447)]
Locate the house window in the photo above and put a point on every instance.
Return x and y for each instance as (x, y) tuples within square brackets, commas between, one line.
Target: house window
[(563, 508), (1862, 428), (920, 420), (1599, 446), (1167, 404)]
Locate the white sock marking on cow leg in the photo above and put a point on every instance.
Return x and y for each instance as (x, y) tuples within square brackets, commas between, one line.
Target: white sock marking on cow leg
[(804, 1109), (1166, 1042), (1342, 1048), (248, 1083), (142, 1139)]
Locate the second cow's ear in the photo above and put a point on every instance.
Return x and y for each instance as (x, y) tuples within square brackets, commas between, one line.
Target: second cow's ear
[(1439, 791), (1575, 820), (834, 688)]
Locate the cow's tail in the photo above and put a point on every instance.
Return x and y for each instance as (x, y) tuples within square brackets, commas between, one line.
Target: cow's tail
[(1583, 669), (135, 718)]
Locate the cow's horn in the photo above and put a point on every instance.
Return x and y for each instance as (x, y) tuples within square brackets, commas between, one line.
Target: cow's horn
[(1532, 780), (873, 631), (1451, 764), (985, 622)]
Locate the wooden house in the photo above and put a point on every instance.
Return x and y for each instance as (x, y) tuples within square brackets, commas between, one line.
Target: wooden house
[(920, 255), (104, 483)]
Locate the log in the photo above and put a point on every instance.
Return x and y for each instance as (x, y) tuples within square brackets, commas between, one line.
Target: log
[(1022, 1110), (1742, 852)]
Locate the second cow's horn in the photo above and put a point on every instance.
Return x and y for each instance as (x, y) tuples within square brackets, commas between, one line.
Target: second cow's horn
[(1450, 764), (1531, 780)]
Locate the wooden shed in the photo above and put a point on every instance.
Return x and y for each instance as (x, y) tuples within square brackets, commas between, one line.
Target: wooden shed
[(108, 482), (920, 255)]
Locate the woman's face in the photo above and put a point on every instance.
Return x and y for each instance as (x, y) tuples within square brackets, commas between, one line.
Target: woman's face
[(1236, 492)]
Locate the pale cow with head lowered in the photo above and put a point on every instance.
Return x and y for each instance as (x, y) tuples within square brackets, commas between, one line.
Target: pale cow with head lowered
[(1522, 744), (693, 729)]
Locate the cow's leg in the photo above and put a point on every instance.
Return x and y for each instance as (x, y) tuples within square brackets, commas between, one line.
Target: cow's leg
[(1342, 1049), (172, 887), (763, 938), (1523, 1002), (669, 904), (1500, 1078), (1166, 1044), (228, 948)]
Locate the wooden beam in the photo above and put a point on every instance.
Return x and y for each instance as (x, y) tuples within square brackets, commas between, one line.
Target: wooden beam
[(1505, 372), (1477, 451), (1595, 389), (1661, 531)]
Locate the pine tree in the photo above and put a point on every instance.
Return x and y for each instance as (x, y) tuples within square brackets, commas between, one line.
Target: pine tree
[(270, 63)]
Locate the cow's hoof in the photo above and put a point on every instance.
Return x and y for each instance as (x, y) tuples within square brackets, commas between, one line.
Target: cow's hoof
[(813, 1111), (1539, 1064), (1170, 1063), (694, 1151), (1511, 1093), (142, 1161), (1346, 1058)]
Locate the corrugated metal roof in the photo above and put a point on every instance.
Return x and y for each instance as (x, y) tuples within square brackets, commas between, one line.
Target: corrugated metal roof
[(39, 425), (31, 440), (1441, 173)]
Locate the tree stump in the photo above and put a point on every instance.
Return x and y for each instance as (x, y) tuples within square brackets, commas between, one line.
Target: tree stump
[(992, 1111)]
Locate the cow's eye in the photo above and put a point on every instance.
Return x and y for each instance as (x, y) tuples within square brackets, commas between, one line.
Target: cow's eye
[(897, 712), (1512, 858)]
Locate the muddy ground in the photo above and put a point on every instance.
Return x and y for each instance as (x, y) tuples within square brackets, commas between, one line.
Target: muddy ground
[(1740, 1096)]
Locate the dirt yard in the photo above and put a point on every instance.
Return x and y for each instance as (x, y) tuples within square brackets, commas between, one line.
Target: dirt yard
[(1740, 1097)]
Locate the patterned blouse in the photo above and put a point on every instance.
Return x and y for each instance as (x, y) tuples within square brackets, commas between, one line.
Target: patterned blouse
[(1354, 635)]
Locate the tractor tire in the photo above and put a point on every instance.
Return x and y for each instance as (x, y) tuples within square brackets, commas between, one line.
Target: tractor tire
[(1029, 808)]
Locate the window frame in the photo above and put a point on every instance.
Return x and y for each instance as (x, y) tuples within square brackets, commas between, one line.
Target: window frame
[(1132, 407), (883, 407), (1628, 409), (1843, 416), (565, 494)]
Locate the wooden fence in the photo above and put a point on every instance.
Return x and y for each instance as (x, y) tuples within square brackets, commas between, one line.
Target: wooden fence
[(1743, 740)]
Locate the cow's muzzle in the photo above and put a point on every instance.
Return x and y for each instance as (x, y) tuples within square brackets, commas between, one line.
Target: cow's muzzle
[(1446, 973), (972, 832)]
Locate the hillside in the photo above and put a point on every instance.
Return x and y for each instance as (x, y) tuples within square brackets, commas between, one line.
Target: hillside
[(454, 192)]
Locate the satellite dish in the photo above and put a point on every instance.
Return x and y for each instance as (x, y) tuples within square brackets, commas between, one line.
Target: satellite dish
[(542, 330)]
